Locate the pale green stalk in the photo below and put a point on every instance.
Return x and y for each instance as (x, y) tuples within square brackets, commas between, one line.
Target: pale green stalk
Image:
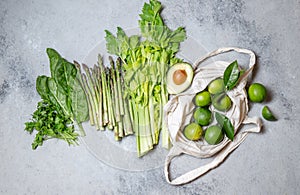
[(117, 70), (166, 142), (127, 120), (94, 93), (145, 140), (97, 78), (104, 90), (91, 100), (109, 102)]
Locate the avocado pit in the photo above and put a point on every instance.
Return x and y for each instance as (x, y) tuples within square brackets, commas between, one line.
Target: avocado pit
[(179, 77)]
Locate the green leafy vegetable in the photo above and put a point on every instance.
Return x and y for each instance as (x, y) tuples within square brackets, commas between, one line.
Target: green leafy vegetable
[(61, 94), (226, 125), (231, 75), (79, 103), (42, 86), (50, 124), (57, 96), (146, 60)]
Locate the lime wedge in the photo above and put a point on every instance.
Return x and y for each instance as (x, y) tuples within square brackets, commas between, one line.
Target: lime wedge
[(267, 114)]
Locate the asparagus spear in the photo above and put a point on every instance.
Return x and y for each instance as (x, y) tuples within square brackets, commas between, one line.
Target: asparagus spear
[(97, 79), (124, 112), (104, 90), (87, 93)]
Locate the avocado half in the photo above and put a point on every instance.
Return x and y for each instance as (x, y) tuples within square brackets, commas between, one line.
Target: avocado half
[(179, 77)]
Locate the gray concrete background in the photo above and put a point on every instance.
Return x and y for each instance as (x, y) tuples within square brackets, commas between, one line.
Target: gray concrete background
[(267, 163)]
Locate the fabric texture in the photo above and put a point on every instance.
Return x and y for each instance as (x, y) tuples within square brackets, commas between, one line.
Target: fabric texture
[(178, 112)]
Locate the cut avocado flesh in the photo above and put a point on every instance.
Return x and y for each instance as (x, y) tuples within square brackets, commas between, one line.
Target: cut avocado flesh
[(179, 78)]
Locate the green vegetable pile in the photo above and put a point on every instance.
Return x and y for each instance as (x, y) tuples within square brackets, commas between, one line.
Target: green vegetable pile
[(146, 60), (103, 87), (63, 103), (127, 97)]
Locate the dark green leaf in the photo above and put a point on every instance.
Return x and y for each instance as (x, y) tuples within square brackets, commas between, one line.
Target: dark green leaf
[(58, 97), (79, 103), (29, 126), (54, 59), (50, 124), (226, 125), (65, 74), (231, 75), (42, 86)]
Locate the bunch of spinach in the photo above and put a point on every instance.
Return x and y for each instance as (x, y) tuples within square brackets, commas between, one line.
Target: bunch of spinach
[(146, 60), (63, 95)]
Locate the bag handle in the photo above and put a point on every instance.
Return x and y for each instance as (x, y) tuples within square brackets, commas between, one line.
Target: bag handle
[(252, 59), (219, 158)]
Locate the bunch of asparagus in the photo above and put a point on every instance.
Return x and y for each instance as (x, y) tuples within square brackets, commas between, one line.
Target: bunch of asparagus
[(103, 87)]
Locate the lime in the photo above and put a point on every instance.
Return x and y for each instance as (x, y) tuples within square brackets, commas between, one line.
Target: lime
[(216, 86), (221, 102), (202, 116), (213, 135), (193, 131), (257, 92), (267, 114), (202, 98)]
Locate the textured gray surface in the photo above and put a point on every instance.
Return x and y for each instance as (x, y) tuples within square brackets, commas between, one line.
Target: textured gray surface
[(267, 163)]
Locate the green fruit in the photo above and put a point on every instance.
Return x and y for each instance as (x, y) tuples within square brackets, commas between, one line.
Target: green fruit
[(179, 77), (202, 98), (193, 131), (213, 135), (202, 116), (267, 114), (216, 86), (221, 102), (257, 92)]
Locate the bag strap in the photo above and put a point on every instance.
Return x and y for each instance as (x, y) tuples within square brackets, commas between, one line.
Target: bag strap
[(252, 59), (220, 157)]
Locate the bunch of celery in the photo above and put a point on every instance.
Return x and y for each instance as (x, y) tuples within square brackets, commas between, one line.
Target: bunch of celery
[(146, 60), (104, 91)]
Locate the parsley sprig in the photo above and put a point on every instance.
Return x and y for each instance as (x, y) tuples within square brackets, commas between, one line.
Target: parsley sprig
[(50, 124)]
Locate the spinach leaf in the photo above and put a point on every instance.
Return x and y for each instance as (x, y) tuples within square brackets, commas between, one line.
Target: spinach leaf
[(42, 87), (65, 90), (79, 102), (64, 75), (231, 75), (54, 58), (57, 97), (226, 125)]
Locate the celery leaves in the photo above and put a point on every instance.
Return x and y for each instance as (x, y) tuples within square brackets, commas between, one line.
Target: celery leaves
[(146, 60)]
